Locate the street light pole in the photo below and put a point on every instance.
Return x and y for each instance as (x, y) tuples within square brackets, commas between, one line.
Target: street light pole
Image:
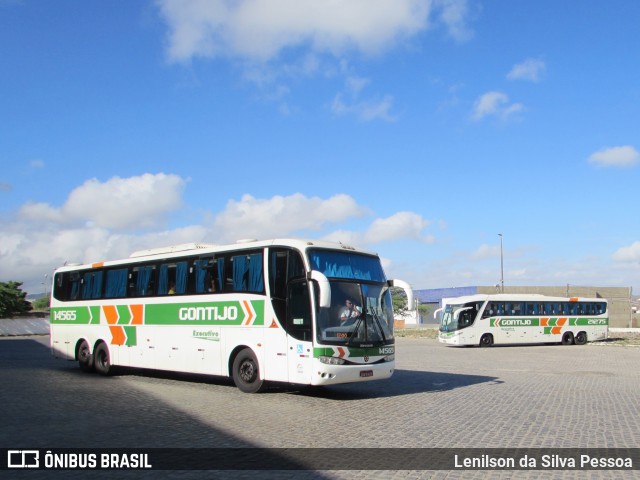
[(501, 265)]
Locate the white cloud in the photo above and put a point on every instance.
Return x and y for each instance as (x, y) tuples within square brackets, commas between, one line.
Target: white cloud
[(365, 110), (401, 225), (281, 216), (625, 156), (630, 253), (454, 14), (260, 30), (119, 203), (495, 104), (485, 251), (36, 164), (531, 69), (41, 237)]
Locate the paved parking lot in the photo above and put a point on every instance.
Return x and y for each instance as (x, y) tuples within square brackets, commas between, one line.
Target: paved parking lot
[(547, 396)]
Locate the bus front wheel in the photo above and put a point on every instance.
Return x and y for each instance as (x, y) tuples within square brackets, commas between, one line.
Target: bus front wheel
[(85, 359), (486, 340), (246, 374), (101, 361), (567, 338), (581, 338)]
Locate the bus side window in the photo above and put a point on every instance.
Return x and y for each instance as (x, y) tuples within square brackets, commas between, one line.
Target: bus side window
[(141, 281), (117, 283), (92, 285), (298, 322), (203, 275)]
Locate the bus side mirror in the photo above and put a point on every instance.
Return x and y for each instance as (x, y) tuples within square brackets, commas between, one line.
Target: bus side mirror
[(411, 306), (323, 286)]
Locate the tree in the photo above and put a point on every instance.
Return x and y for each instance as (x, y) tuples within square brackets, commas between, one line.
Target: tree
[(399, 299), (41, 303), (12, 299)]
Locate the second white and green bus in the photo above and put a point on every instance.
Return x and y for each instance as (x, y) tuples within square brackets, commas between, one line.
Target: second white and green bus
[(256, 311), (487, 320)]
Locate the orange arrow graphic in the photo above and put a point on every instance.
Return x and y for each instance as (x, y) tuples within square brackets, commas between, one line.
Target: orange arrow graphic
[(137, 314), (111, 314), (117, 335), (249, 310)]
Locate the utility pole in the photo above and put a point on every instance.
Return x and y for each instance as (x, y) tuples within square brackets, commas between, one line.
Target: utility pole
[(501, 265)]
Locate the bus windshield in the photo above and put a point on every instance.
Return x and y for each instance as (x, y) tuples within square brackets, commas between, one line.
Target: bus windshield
[(361, 311), (457, 317), (361, 314)]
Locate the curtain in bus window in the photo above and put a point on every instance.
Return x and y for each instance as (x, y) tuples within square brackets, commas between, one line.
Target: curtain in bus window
[(75, 289), (343, 265), (92, 285), (163, 280), (181, 277), (117, 283), (240, 269), (256, 280), (87, 285), (201, 273), (220, 264), (142, 283)]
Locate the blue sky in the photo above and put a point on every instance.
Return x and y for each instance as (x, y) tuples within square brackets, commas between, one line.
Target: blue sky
[(416, 129)]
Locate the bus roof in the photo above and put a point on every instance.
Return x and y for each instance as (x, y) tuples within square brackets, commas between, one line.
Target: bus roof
[(515, 297), (189, 249)]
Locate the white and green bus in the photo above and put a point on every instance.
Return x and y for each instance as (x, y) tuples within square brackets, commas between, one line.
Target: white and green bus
[(257, 311), (486, 320)]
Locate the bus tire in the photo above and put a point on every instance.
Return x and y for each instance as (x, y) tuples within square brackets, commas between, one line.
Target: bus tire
[(245, 372), (581, 338), (102, 360), (486, 340), (84, 356), (567, 338)]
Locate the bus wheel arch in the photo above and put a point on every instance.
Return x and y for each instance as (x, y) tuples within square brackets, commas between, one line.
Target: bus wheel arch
[(245, 370), (84, 356), (486, 340), (102, 359), (567, 338), (581, 338)]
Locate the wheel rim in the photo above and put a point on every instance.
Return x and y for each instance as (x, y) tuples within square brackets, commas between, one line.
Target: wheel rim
[(102, 359), (247, 371), (83, 355)]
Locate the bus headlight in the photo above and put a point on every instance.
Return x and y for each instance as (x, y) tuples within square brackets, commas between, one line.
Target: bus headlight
[(389, 358), (332, 360)]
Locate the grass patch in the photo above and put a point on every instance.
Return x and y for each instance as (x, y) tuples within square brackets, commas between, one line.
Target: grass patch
[(416, 332)]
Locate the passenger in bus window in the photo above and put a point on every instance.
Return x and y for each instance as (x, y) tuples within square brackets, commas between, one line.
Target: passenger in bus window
[(172, 288)]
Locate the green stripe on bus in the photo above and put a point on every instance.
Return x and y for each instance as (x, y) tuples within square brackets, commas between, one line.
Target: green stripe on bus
[(206, 313), (75, 315)]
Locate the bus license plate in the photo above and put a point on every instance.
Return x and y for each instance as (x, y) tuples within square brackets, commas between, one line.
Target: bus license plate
[(366, 373)]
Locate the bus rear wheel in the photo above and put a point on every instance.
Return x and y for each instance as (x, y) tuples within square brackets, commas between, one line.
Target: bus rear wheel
[(85, 359), (581, 338), (102, 361), (567, 338), (486, 340), (245, 372)]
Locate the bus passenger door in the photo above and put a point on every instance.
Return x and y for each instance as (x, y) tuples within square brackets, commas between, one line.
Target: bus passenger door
[(299, 329)]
